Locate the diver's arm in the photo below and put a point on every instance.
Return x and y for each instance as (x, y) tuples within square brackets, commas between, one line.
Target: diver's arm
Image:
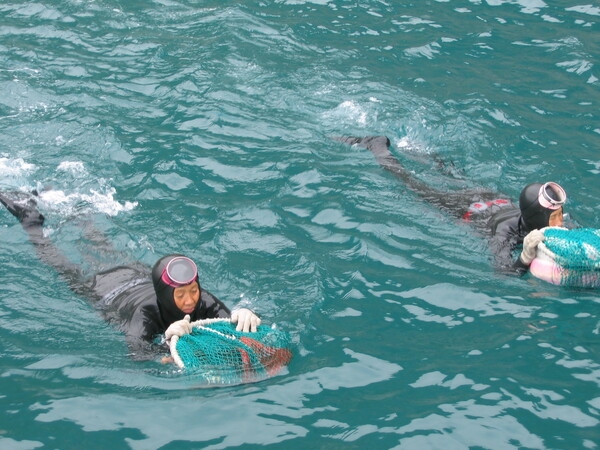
[(530, 243), (502, 246), (519, 267)]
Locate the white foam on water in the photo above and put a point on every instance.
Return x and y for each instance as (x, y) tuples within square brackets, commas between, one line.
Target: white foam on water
[(77, 198), (95, 201), (16, 167)]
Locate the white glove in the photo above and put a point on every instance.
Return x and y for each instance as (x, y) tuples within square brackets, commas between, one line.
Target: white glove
[(179, 328), (530, 244), (246, 320)]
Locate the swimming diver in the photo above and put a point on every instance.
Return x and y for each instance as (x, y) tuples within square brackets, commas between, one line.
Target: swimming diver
[(141, 302), (508, 226)]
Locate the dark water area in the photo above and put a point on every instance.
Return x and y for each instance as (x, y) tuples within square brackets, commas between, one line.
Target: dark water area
[(206, 128)]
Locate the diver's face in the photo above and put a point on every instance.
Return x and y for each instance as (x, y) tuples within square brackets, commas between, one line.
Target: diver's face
[(556, 218), (186, 297)]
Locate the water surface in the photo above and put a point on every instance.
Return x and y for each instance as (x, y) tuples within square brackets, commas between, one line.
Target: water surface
[(205, 127)]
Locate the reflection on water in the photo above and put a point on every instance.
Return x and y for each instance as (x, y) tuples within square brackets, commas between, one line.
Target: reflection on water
[(279, 418)]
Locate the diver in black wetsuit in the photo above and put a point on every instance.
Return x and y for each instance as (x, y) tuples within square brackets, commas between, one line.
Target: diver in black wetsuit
[(142, 303), (508, 226)]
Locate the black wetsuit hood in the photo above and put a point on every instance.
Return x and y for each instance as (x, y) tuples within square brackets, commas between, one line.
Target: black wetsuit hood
[(533, 215), (169, 311)]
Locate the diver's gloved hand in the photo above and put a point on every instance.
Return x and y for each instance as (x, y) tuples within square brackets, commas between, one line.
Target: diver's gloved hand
[(179, 328), (530, 244), (246, 320)]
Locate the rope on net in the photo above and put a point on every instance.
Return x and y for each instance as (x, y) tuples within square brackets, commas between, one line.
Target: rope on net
[(220, 354)]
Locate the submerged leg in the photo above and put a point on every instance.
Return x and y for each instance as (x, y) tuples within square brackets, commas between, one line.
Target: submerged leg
[(456, 202), (25, 210), (380, 147)]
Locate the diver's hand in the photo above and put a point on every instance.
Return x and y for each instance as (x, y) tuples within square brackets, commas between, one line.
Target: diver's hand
[(530, 244), (246, 320), (179, 328)]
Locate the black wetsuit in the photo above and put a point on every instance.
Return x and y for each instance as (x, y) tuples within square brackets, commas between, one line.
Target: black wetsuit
[(124, 295), (489, 212), (508, 232)]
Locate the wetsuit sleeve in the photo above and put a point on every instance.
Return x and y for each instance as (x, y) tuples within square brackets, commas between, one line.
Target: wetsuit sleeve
[(520, 268), (142, 333), (132, 308), (502, 245)]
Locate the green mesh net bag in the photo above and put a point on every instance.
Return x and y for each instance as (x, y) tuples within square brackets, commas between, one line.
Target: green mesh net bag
[(219, 354), (569, 257)]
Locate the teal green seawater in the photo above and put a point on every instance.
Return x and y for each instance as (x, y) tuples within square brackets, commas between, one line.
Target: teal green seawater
[(206, 128)]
